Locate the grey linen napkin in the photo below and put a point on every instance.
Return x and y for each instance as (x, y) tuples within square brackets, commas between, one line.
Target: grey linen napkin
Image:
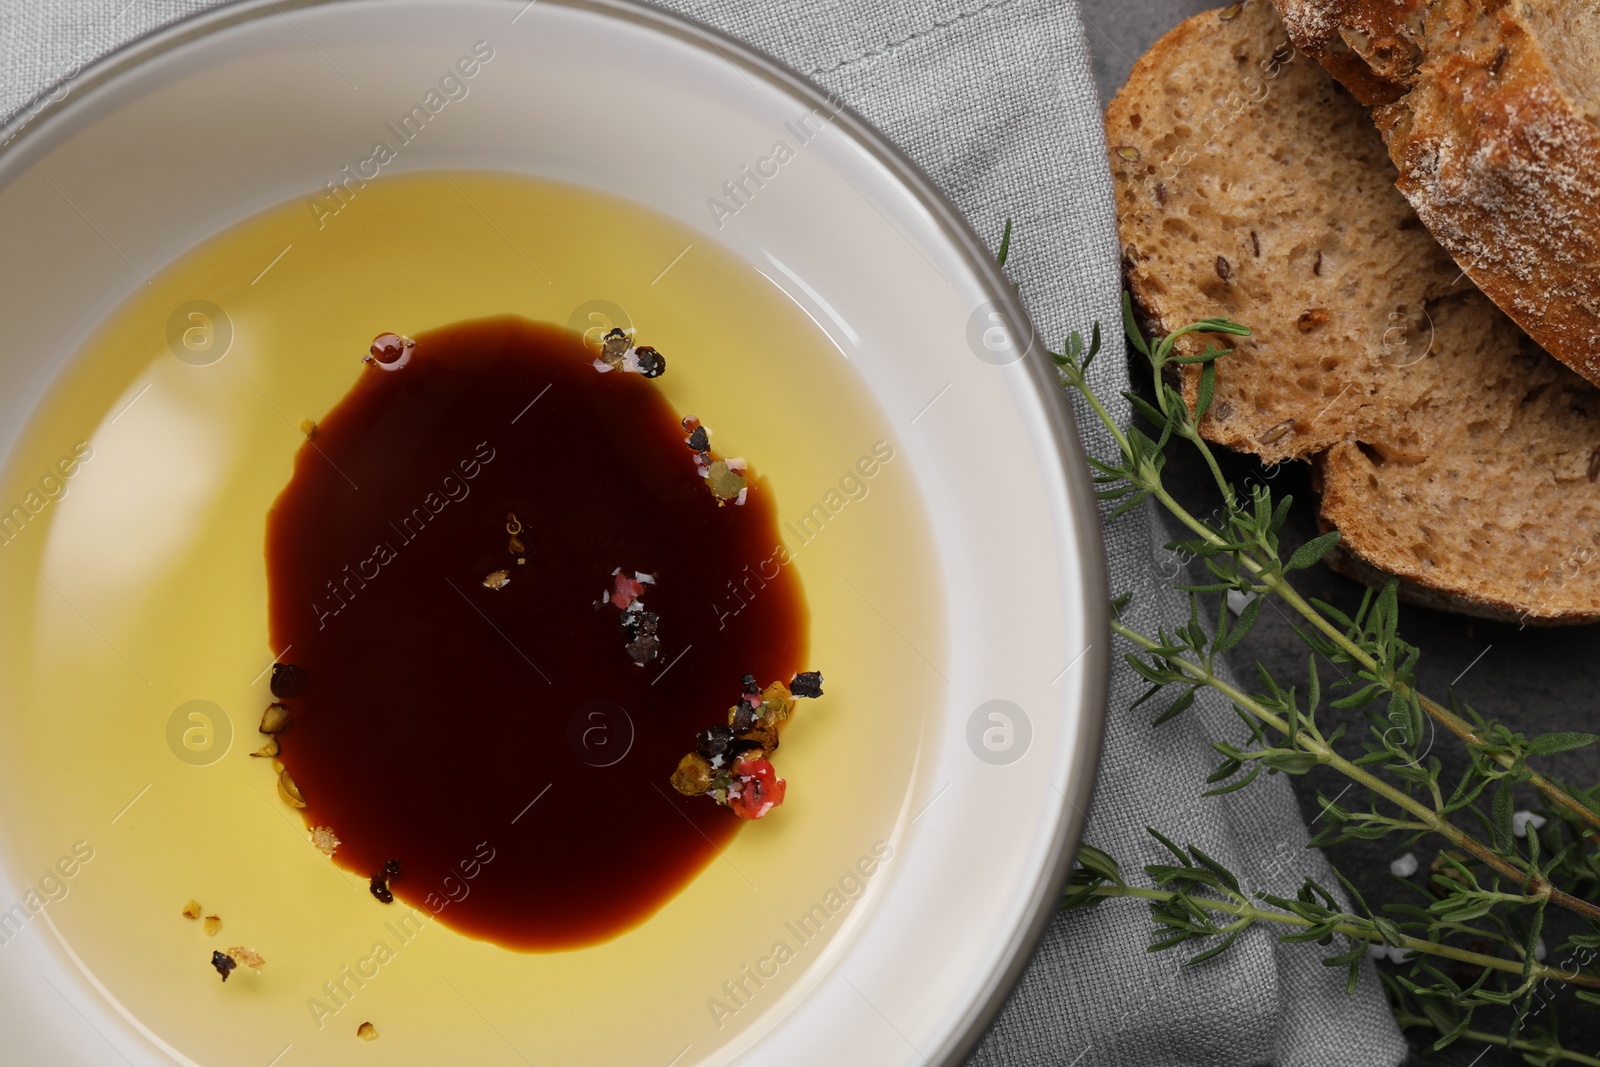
[(995, 100)]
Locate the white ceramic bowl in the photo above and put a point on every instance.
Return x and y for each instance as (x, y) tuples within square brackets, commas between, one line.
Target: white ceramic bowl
[(185, 132)]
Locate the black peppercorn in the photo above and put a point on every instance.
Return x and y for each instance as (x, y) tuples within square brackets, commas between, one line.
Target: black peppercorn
[(713, 741), (744, 718), (652, 364), (644, 648), (287, 680), (807, 684)]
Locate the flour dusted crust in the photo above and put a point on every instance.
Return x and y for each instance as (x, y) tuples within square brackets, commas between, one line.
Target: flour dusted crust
[(1449, 450), (1491, 112)]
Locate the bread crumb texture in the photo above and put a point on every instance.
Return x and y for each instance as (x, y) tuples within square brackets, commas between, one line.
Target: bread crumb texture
[(1449, 449), (1491, 112)]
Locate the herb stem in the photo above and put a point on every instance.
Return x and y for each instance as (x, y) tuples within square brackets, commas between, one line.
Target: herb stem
[(1188, 428), (1216, 469), (1405, 1020), (1440, 714), (1536, 885), (1272, 578), (1249, 913), (1104, 416), (1479, 873)]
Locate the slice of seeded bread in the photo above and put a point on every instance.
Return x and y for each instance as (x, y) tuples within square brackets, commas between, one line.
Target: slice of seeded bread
[(1491, 112), (1450, 451)]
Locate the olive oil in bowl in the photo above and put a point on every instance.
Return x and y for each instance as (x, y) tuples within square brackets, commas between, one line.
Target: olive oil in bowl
[(134, 615)]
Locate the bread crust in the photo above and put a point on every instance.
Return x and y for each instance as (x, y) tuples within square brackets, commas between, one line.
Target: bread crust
[(1367, 44), (1447, 448), (1352, 566), (1494, 151), (1373, 560)]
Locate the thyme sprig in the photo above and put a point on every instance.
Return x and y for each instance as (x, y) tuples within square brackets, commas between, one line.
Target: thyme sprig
[(1473, 941), (1186, 914)]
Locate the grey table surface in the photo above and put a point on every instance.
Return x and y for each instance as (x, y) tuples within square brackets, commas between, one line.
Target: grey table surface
[(1536, 680)]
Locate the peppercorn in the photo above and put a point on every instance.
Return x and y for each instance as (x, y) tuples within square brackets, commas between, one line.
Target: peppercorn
[(287, 680), (614, 346), (743, 718), (380, 888), (776, 703), (807, 684), (693, 776), (652, 364), (724, 482), (700, 441), (713, 742), (644, 648)]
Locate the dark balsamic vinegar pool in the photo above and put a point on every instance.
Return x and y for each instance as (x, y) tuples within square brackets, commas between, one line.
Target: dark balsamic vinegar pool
[(435, 710)]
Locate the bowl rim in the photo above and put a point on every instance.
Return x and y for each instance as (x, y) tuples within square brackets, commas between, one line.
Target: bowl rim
[(1084, 514)]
